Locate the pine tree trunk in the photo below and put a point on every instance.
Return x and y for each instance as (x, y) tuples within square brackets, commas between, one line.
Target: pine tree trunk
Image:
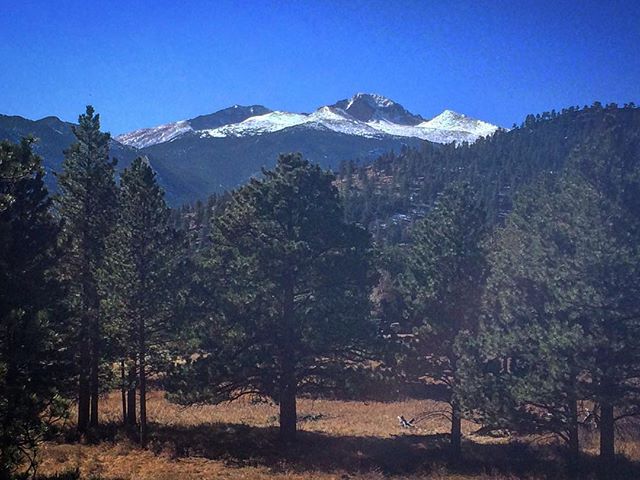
[(456, 430), (288, 384), (9, 410), (94, 379), (607, 438), (131, 396), (574, 442), (94, 382), (123, 391), (143, 383), (84, 393), (288, 411)]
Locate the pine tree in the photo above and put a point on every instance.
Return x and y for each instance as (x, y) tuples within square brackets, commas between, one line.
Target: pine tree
[(33, 371), (521, 371), (290, 284), (87, 206), (610, 165), (562, 322), (443, 286), (14, 167), (140, 280)]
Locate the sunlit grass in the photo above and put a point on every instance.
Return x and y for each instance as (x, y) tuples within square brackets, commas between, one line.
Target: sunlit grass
[(338, 440)]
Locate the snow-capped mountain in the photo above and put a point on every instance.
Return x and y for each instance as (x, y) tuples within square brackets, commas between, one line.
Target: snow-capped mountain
[(150, 136), (364, 115), (457, 122), (146, 137), (220, 151)]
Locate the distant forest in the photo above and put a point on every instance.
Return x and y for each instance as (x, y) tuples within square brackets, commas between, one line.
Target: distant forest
[(502, 277)]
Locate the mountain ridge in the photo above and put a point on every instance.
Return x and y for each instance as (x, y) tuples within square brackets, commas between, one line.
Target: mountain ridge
[(215, 152), (364, 114)]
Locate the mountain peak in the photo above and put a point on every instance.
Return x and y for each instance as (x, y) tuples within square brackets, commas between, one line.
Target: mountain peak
[(368, 107), (50, 121), (451, 114), (372, 99), (459, 122)]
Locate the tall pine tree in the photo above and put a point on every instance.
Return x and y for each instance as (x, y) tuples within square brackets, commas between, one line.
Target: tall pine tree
[(33, 370), (290, 284), (561, 317), (443, 288), (140, 280), (87, 205)]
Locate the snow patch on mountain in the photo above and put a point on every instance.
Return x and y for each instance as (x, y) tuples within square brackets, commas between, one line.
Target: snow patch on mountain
[(145, 137), (324, 118), (458, 122), (338, 120), (258, 125)]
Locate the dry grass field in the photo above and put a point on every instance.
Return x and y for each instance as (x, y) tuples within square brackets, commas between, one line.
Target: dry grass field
[(338, 440)]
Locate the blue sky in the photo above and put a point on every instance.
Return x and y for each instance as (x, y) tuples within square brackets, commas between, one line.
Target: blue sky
[(142, 63)]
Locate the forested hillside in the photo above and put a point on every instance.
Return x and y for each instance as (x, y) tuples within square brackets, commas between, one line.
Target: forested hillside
[(501, 297), (400, 187)]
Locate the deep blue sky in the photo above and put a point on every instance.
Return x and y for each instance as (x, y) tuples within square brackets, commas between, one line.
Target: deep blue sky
[(150, 62)]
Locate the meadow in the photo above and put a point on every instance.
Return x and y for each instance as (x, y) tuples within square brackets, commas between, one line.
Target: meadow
[(336, 440)]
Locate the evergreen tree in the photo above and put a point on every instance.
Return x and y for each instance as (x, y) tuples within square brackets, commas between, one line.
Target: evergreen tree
[(443, 286), (140, 281), (291, 283), (33, 372), (522, 369), (87, 205), (610, 165), (562, 322), (13, 167)]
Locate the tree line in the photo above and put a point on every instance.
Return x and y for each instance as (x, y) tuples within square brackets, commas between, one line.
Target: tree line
[(523, 324)]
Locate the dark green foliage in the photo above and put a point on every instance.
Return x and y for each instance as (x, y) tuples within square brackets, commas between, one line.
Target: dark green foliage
[(562, 323), (32, 353), (15, 165), (442, 287), (140, 279), (195, 220), (531, 343), (87, 205), (289, 284)]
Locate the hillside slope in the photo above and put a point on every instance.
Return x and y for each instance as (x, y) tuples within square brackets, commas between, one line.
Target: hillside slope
[(396, 189)]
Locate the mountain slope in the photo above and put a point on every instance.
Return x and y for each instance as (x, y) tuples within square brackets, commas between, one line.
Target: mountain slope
[(53, 136), (146, 137), (196, 166), (396, 189)]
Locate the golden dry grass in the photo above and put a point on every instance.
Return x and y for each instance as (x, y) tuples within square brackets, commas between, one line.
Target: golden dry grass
[(338, 440)]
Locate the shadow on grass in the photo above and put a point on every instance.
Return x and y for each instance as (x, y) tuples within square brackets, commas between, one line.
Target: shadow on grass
[(240, 445)]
